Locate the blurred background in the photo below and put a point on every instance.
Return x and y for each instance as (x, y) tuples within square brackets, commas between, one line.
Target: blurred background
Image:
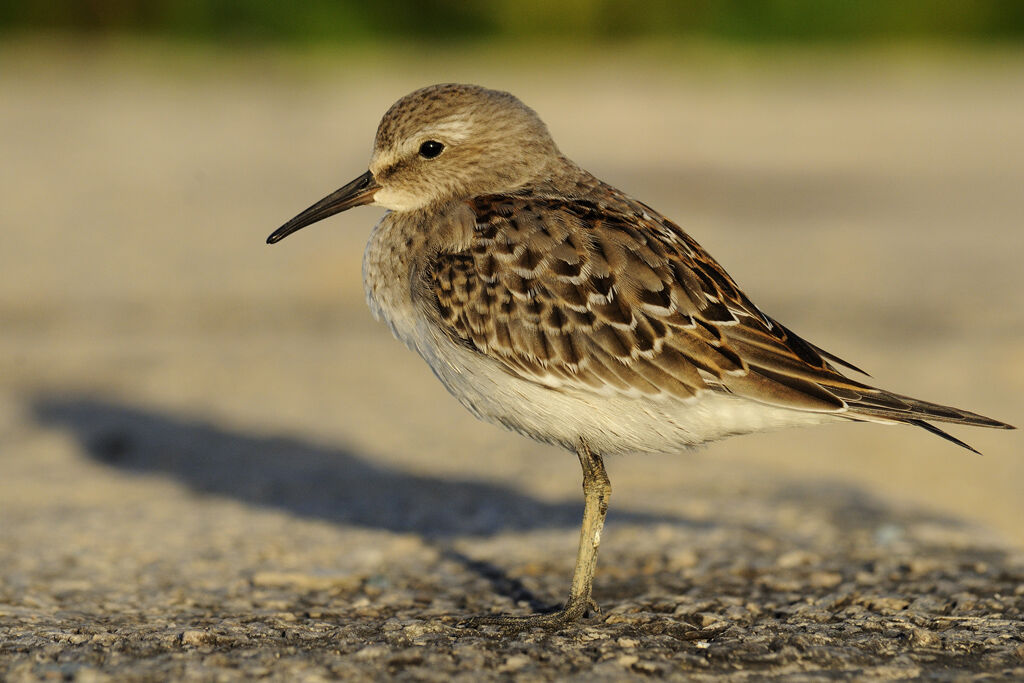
[(480, 21), (857, 166)]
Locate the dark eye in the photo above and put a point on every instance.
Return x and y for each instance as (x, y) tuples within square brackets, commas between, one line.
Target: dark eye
[(430, 149)]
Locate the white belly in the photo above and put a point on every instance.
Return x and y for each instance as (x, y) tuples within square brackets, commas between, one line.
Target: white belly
[(609, 423)]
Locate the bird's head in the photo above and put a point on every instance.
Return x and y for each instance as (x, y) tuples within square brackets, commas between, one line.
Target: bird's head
[(445, 143)]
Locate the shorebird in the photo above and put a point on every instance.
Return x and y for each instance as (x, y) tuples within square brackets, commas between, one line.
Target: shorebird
[(556, 305)]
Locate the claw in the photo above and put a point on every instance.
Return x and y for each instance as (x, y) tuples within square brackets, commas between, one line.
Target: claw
[(571, 614)]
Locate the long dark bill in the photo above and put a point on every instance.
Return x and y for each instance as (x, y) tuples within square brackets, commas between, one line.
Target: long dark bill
[(360, 191)]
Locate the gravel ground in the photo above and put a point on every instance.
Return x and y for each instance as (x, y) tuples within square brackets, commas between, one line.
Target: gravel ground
[(215, 466), (275, 557)]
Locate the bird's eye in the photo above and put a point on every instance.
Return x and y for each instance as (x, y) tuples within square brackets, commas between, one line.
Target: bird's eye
[(430, 149)]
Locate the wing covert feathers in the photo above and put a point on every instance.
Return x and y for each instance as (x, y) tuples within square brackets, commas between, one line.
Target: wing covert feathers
[(611, 297)]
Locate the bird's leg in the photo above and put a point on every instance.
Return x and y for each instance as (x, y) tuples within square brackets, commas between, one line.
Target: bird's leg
[(597, 490)]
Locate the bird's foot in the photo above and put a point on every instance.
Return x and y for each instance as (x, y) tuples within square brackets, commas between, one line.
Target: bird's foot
[(572, 613)]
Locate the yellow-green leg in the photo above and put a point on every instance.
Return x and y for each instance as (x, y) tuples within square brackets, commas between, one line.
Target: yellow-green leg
[(597, 490)]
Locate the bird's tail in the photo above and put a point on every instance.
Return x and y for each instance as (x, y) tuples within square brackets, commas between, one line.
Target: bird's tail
[(885, 406)]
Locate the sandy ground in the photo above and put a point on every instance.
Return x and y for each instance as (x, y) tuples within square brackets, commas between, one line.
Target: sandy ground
[(214, 464)]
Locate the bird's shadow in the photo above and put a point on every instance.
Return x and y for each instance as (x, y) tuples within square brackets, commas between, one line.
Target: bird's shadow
[(333, 483), (340, 485)]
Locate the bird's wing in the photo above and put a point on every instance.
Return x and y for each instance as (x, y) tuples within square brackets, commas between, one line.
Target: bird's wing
[(617, 299)]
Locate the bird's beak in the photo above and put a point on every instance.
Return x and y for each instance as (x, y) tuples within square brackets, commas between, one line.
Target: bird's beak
[(360, 191)]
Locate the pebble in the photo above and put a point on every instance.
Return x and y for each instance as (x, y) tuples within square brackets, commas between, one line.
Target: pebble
[(195, 638), (514, 663), (372, 652)]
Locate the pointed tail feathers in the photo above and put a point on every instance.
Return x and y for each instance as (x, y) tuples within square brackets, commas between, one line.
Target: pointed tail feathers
[(888, 407)]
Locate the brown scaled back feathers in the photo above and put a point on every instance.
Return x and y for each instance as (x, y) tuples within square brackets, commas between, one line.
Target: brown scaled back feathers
[(601, 293)]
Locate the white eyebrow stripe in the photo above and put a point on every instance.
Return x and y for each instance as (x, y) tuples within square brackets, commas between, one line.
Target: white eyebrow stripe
[(453, 128)]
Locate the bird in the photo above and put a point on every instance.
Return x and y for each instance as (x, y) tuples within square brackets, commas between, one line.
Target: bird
[(555, 305)]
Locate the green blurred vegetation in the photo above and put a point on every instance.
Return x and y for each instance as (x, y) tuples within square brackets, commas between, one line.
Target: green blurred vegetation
[(315, 21)]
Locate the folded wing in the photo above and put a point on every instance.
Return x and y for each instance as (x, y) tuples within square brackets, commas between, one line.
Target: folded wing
[(614, 298)]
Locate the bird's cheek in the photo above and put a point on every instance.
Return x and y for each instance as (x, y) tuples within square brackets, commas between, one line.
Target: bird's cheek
[(399, 200)]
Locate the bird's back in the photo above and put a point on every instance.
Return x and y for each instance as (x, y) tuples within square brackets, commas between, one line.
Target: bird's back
[(595, 299)]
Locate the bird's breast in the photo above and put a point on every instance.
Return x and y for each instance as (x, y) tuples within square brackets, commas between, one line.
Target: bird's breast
[(388, 264), (398, 253)]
